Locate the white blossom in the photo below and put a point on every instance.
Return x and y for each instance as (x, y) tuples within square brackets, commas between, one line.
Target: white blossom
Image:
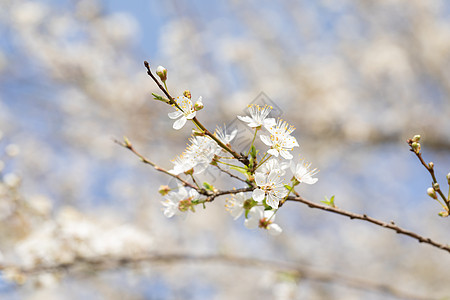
[(270, 187), (182, 163), (258, 116), (172, 200), (201, 151), (198, 155), (280, 140), (273, 164), (188, 112), (303, 173), (224, 137), (258, 217), (235, 205)]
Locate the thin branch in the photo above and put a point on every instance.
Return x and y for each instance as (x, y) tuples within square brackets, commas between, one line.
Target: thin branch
[(230, 174), (296, 270), (236, 155), (430, 169), (130, 147), (366, 218), (211, 198)]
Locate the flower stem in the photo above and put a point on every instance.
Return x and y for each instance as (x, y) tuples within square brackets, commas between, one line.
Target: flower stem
[(263, 161), (240, 158), (251, 145)]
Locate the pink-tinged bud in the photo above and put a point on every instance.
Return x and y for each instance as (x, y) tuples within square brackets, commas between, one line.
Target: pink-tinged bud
[(162, 73), (199, 104), (187, 94), (431, 192), (416, 138), (164, 190)]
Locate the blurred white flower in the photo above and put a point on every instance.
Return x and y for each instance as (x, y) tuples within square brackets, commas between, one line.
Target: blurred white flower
[(273, 164), (258, 217), (188, 112), (258, 116), (303, 173), (201, 151), (12, 150), (270, 186), (235, 205), (11, 179), (280, 140), (173, 199), (224, 137), (182, 163)]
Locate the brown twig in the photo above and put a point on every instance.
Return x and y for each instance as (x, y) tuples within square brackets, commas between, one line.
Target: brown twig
[(236, 155), (230, 174), (130, 147), (294, 269), (366, 218), (430, 169), (216, 194)]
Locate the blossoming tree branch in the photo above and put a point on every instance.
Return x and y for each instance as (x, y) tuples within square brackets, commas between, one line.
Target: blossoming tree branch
[(269, 177)]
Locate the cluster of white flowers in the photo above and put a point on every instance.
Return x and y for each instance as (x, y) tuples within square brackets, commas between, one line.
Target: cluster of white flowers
[(199, 154), (269, 185), (73, 235)]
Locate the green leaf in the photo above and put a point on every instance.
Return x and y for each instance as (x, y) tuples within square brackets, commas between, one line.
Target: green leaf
[(239, 169), (253, 152), (208, 186), (159, 98), (329, 202)]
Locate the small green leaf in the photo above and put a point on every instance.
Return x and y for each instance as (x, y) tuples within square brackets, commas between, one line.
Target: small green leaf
[(239, 169), (159, 98), (208, 186), (329, 202), (253, 152)]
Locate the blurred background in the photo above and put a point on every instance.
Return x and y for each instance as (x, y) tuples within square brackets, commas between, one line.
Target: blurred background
[(356, 78)]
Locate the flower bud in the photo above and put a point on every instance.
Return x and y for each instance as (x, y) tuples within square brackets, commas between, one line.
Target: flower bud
[(436, 186), (162, 73), (186, 204), (448, 178), (416, 138), (197, 133), (431, 193), (443, 214), (416, 147), (187, 94), (164, 190), (431, 164), (199, 104)]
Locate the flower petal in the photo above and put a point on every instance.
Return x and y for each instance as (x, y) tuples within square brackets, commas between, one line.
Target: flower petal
[(268, 123), (191, 115), (246, 119), (285, 154), (179, 123), (272, 201), (175, 114), (309, 180), (274, 229), (266, 140), (258, 195), (273, 152), (260, 179)]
